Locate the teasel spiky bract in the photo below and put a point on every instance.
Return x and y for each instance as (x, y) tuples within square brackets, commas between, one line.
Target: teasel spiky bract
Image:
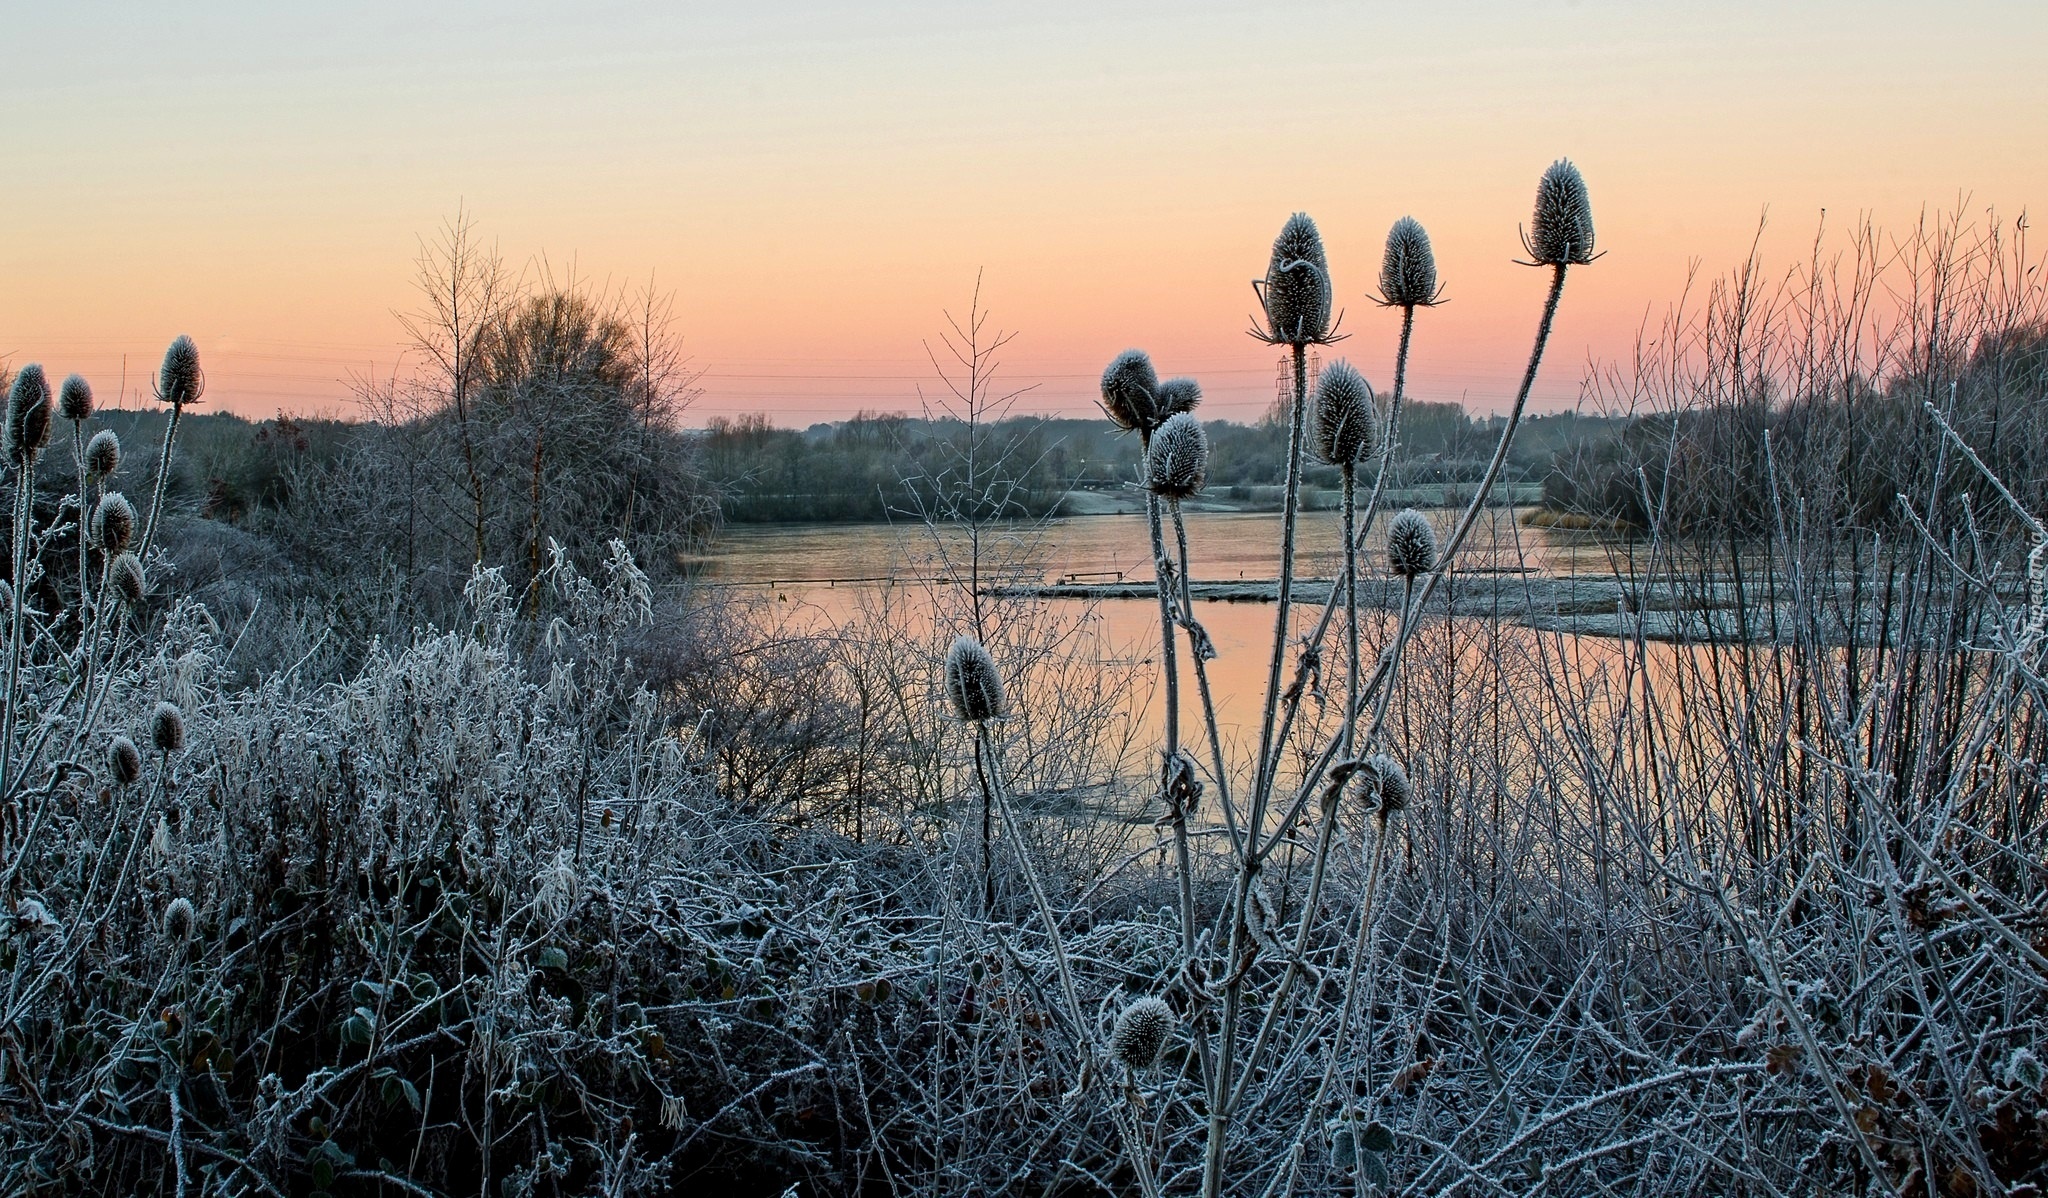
[(1130, 391), (973, 683), (1408, 268), (1296, 293), (1141, 1032), (1411, 544), (1561, 230), (1347, 419), (1177, 462)]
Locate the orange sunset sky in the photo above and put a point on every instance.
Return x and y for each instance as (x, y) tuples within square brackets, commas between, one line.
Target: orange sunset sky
[(815, 184)]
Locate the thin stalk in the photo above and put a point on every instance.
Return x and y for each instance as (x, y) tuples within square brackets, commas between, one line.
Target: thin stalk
[(78, 452), (1187, 605), (1162, 572), (1268, 768), (24, 500), (163, 475)]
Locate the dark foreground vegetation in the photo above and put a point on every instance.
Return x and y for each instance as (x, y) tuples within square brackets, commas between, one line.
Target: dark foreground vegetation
[(374, 820)]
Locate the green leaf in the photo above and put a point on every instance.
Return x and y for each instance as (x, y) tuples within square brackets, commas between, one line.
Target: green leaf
[(1372, 1171), (554, 958), (323, 1172), (1377, 1137)]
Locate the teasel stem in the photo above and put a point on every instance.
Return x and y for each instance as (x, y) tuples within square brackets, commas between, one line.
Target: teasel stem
[(1252, 851), (1202, 688), (1162, 576), (84, 595), (24, 511), (163, 475), (1356, 541), (1446, 555)]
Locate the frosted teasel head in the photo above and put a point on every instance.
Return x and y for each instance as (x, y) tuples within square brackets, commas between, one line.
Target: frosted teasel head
[(178, 380), (1130, 391), (74, 398), (113, 522), (124, 761), (167, 727), (1347, 419), (1382, 785), (179, 920), (28, 413), (1177, 462), (1141, 1032), (1296, 291), (128, 580), (1411, 544), (1561, 231), (1408, 270), (1178, 395), (103, 454), (973, 683)]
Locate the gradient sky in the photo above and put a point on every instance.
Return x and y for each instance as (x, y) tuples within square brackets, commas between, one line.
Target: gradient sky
[(817, 183)]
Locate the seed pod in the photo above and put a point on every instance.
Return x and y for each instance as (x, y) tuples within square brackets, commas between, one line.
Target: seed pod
[(124, 761), (1177, 463), (972, 681), (1408, 271), (1347, 423), (1561, 231), (1177, 396), (1141, 1032), (113, 522), (1297, 292), (167, 727), (1383, 785), (179, 920), (103, 454), (1130, 391), (28, 413), (179, 381), (129, 581), (74, 398), (1411, 544)]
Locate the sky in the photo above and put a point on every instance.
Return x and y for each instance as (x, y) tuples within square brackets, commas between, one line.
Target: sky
[(817, 185)]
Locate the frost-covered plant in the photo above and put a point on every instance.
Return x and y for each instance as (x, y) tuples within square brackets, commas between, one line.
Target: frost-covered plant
[(973, 683), (1177, 461), (1130, 391), (1141, 1031), (1346, 418), (1411, 544)]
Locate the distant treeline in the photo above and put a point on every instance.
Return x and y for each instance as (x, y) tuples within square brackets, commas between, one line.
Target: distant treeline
[(876, 467)]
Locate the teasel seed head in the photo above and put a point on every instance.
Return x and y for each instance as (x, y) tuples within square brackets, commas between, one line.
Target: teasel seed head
[(74, 398), (129, 581), (1411, 544), (1177, 463), (103, 454), (167, 727), (1408, 271), (179, 920), (1384, 785), (179, 381), (1297, 290), (1561, 231), (28, 413), (124, 761), (1141, 1032), (113, 522), (1178, 395), (1130, 391), (973, 682), (1347, 420)]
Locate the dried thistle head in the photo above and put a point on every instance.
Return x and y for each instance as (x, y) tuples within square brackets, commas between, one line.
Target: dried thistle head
[(1347, 420), (128, 580), (1178, 395), (1408, 271), (103, 454), (167, 727), (1561, 231), (74, 398), (179, 920), (124, 761), (972, 681), (113, 522), (1383, 785), (1411, 544), (1177, 462), (179, 380), (28, 413), (1297, 285), (1141, 1032), (1130, 391)]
